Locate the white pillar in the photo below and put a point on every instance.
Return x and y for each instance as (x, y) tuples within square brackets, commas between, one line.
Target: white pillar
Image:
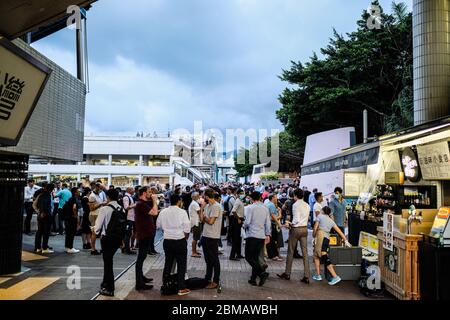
[(141, 160), (140, 179), (48, 177), (109, 179), (79, 177), (110, 159)]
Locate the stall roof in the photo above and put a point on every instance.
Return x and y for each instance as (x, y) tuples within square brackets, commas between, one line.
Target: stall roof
[(366, 154), (17, 17)]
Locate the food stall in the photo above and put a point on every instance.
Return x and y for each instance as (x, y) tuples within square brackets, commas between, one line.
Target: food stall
[(412, 186), (395, 187)]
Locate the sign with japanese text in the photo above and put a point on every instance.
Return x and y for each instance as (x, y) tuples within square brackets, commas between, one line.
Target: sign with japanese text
[(388, 231), (434, 161), (22, 80)]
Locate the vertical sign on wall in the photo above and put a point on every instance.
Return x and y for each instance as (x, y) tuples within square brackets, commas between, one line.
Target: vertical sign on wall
[(388, 231)]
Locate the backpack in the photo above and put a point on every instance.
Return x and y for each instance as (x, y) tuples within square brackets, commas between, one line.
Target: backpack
[(226, 205), (120, 202), (170, 285), (196, 283), (117, 224)]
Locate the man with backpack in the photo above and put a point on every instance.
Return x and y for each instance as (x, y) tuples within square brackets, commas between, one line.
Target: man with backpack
[(228, 205), (128, 203), (110, 225)]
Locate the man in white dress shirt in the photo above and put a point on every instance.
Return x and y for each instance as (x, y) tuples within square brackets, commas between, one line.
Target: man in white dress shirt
[(298, 232), (176, 226)]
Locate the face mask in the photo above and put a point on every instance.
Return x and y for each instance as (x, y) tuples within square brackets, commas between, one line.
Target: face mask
[(242, 197)]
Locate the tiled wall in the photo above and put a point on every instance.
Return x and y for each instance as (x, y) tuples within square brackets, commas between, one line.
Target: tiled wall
[(56, 128), (431, 31)]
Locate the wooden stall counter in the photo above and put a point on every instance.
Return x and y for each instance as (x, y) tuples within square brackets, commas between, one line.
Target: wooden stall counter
[(400, 267)]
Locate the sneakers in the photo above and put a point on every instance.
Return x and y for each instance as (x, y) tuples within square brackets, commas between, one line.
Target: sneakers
[(38, 251), (47, 251), (334, 281), (106, 293), (72, 251), (317, 277), (184, 292), (95, 253)]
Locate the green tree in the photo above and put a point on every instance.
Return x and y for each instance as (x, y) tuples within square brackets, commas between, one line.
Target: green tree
[(290, 154), (366, 69)]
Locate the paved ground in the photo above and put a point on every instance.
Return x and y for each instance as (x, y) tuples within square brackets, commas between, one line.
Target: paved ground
[(46, 277), (234, 282)]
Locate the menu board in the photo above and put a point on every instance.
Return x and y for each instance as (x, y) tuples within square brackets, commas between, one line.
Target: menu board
[(434, 161), (354, 183)]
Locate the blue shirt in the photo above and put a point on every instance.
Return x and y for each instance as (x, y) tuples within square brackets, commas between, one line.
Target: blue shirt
[(272, 209), (338, 210), (257, 221), (63, 196), (312, 201)]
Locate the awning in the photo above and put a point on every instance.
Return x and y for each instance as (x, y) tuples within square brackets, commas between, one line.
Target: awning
[(367, 154), (17, 17), (358, 156)]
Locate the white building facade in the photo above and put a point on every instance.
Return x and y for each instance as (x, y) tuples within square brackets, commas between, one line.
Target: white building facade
[(132, 161)]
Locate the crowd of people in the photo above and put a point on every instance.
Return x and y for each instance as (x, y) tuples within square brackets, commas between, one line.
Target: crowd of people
[(207, 214)]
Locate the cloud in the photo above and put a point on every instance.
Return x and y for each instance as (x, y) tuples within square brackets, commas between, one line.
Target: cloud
[(159, 65)]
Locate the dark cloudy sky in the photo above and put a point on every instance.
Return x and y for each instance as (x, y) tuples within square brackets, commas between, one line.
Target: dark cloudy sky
[(163, 64)]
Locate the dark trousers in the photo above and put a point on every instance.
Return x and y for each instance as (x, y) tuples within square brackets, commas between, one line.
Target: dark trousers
[(128, 234), (29, 215), (211, 253), (253, 247), (144, 245), (151, 247), (43, 233), (71, 230), (54, 214), (109, 247), (60, 221), (236, 240), (273, 246), (175, 251), (151, 244)]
